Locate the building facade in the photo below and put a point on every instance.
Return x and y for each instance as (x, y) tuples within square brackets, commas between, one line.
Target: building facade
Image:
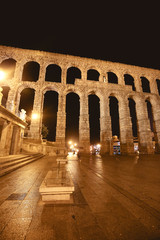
[(101, 78), (11, 132)]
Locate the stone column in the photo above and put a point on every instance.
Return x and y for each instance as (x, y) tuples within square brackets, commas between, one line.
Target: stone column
[(5, 141), (156, 117), (84, 131), (153, 85), (15, 140), (61, 121), (18, 71), (12, 104), (126, 135), (101, 77), (42, 73), (1, 95), (105, 126), (120, 77), (36, 119), (64, 75), (84, 75), (144, 131), (137, 83)]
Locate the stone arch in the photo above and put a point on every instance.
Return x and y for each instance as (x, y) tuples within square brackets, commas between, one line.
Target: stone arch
[(50, 109), (112, 77), (31, 71), (145, 84), (8, 66), (26, 99), (72, 74), (114, 113), (93, 75), (158, 85), (72, 116), (129, 80), (94, 117), (53, 88), (96, 92), (53, 73)]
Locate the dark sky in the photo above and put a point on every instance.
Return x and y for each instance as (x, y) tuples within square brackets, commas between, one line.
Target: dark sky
[(113, 31)]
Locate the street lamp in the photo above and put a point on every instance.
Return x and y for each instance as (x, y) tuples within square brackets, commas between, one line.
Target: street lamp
[(2, 75), (34, 116)]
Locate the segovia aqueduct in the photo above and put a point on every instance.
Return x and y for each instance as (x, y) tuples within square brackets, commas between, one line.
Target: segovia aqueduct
[(125, 83)]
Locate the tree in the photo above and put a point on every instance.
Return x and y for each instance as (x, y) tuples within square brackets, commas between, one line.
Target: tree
[(44, 131)]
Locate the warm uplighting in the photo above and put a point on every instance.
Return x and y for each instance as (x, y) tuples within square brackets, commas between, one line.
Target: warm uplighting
[(34, 116), (72, 148), (2, 75)]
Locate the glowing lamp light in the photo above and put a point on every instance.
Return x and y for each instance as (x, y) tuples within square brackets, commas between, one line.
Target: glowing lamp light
[(70, 142), (34, 116), (2, 75)]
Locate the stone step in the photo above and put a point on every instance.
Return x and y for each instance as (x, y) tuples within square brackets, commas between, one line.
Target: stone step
[(13, 161), (12, 158), (18, 162)]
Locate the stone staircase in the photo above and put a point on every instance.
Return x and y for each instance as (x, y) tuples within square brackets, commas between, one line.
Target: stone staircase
[(12, 162)]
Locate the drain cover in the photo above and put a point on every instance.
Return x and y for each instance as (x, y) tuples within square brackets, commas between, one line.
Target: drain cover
[(17, 196)]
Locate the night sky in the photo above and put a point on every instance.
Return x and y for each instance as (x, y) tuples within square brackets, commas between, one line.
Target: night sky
[(114, 32)]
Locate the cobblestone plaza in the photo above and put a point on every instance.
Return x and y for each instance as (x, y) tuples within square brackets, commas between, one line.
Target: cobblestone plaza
[(115, 198)]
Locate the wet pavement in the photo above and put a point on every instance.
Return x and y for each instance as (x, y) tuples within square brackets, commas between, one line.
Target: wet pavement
[(116, 197)]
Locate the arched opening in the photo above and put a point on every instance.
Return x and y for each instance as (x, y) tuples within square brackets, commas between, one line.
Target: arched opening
[(72, 117), (129, 80), (31, 72), (112, 77), (94, 116), (132, 108), (114, 113), (53, 73), (93, 75), (72, 74), (8, 66), (5, 92), (158, 85), (50, 108), (27, 100), (152, 125), (145, 85), (150, 115)]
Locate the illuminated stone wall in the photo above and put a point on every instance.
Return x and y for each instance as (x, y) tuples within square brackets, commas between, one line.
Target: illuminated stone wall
[(84, 87)]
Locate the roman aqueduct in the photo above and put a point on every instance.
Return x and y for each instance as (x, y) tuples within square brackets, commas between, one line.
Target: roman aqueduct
[(101, 78)]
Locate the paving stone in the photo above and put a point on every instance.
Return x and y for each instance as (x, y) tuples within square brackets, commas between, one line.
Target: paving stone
[(115, 198)]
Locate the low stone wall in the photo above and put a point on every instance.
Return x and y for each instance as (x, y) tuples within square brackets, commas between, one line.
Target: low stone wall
[(43, 148)]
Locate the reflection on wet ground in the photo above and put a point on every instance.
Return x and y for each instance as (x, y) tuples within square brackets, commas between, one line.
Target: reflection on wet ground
[(116, 197)]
